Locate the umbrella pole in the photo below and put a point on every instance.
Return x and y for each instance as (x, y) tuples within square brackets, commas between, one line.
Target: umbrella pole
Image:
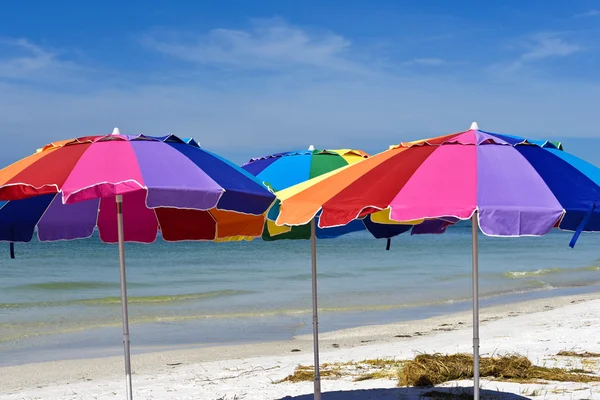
[(126, 343), (313, 245), (475, 245)]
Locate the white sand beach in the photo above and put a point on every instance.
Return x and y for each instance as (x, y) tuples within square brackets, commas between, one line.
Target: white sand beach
[(537, 329)]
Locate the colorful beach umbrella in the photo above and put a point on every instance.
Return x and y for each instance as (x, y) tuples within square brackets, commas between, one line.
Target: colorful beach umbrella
[(507, 186), (130, 188), (282, 170)]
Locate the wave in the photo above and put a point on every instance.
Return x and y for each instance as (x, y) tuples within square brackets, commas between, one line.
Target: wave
[(144, 300), (320, 275), (14, 332), (548, 271), (67, 285)]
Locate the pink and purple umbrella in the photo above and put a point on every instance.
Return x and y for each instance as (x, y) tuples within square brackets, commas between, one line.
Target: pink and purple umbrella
[(130, 188)]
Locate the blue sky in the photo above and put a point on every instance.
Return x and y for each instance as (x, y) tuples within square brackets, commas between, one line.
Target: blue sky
[(251, 77)]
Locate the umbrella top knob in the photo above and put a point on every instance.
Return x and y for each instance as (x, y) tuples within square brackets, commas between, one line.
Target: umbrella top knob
[(116, 131), (311, 147), (474, 126)]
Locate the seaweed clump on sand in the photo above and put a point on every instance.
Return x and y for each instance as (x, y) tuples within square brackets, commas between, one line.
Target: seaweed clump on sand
[(378, 368), (433, 369), (427, 370), (307, 373), (585, 354)]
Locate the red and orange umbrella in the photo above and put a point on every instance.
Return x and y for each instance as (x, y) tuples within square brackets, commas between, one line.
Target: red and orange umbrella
[(130, 188)]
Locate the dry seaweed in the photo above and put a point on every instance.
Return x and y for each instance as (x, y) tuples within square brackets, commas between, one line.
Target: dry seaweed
[(433, 369), (585, 354)]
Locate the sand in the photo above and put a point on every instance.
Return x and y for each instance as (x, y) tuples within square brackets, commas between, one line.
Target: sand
[(538, 329)]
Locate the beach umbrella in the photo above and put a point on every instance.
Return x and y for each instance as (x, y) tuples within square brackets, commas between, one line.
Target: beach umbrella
[(507, 186), (281, 170), (129, 188)]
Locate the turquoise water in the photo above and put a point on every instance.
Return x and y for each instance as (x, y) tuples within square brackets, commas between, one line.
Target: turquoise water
[(62, 300)]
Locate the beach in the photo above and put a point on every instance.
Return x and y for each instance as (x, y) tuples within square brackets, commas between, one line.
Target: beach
[(224, 321), (538, 329)]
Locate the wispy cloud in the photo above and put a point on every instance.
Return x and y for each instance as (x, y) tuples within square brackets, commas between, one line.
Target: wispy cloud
[(268, 44), (590, 13), (538, 47), (427, 61), (546, 45), (24, 61)]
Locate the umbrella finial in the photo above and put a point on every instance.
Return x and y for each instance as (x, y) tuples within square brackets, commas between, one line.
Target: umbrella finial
[(116, 131), (474, 126), (311, 147)]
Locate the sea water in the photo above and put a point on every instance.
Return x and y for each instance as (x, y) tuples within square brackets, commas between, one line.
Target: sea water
[(62, 300)]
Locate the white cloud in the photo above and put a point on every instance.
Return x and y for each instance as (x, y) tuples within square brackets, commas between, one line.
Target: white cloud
[(269, 44), (535, 48), (427, 61), (23, 60), (590, 13), (546, 45)]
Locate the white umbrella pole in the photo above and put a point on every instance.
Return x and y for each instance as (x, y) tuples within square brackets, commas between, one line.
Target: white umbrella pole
[(313, 245), (126, 343), (475, 244)]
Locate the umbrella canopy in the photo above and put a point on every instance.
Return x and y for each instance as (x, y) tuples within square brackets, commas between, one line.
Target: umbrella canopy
[(518, 186), (171, 172), (282, 170), (169, 185)]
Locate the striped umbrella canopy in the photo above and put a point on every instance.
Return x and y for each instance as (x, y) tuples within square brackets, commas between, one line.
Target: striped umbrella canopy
[(282, 170), (517, 186), (171, 172), (507, 186), (130, 188), (169, 185)]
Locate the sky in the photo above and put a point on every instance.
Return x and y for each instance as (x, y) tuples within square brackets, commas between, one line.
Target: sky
[(249, 78)]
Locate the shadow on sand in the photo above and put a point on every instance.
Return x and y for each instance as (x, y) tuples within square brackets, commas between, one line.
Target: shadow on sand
[(436, 393)]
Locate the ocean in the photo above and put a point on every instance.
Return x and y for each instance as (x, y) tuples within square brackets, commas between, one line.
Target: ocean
[(62, 300)]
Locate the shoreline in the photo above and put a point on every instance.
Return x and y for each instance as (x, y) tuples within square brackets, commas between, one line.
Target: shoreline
[(334, 345), (187, 334)]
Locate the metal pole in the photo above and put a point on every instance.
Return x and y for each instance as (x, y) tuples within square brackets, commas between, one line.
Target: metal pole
[(126, 343), (475, 245), (313, 245)]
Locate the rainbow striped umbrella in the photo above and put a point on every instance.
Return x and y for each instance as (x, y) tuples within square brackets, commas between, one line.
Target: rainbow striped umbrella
[(515, 186), (282, 170), (130, 188), (507, 185)]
